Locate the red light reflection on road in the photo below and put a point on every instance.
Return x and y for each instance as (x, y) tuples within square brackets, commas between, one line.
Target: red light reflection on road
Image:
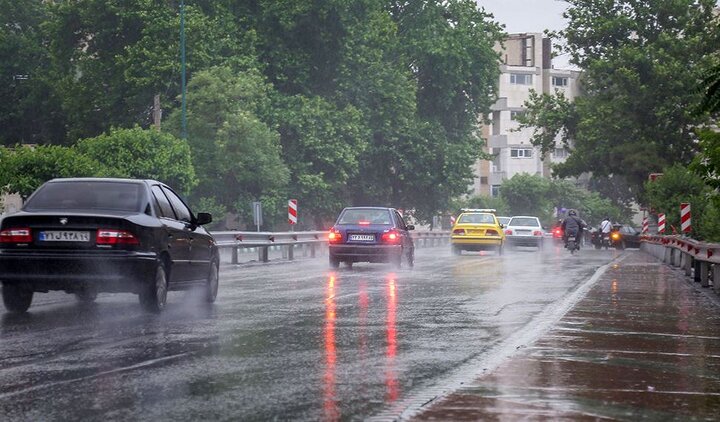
[(391, 382), (330, 407)]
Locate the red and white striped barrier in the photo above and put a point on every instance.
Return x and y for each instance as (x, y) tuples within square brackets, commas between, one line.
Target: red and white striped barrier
[(292, 211), (645, 226), (661, 223), (685, 218)]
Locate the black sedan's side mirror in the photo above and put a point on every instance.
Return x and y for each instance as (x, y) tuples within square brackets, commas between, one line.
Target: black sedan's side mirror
[(203, 218), (410, 227)]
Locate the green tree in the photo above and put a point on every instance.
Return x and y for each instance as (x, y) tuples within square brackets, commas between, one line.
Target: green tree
[(110, 57), (677, 185), (29, 111), (236, 156), (641, 61), (527, 194), (322, 146), (24, 169), (142, 154)]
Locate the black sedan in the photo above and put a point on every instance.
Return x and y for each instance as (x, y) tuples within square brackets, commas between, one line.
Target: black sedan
[(623, 236), (90, 235), (371, 234)]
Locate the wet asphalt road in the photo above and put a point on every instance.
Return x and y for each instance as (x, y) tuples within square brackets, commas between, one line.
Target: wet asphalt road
[(283, 341)]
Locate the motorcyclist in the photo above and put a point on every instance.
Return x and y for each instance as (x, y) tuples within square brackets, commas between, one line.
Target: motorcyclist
[(605, 228), (572, 226)]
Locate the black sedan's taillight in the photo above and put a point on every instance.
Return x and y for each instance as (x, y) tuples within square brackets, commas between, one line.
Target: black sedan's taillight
[(115, 237), (16, 235)]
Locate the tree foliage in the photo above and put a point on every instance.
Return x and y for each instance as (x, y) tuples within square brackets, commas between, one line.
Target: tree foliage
[(534, 195), (678, 184), (641, 61), (235, 154), (24, 169), (332, 102), (142, 154)]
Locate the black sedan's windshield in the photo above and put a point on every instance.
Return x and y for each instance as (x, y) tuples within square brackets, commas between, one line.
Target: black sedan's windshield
[(91, 195)]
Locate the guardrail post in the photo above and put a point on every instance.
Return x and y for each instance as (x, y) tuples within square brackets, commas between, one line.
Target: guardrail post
[(312, 250), (263, 253), (234, 259), (676, 257), (716, 278), (291, 252), (688, 264), (667, 258), (701, 273)]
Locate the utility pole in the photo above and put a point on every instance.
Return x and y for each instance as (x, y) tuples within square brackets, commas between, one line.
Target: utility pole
[(183, 132)]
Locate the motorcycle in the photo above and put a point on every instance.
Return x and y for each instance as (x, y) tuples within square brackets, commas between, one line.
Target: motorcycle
[(572, 243)]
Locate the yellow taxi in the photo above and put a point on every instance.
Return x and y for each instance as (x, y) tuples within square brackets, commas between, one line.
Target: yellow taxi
[(476, 230)]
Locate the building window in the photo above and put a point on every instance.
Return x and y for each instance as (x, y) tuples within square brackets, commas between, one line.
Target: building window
[(483, 180), (495, 191), (521, 153), (514, 114), (559, 81), (520, 79), (560, 153)]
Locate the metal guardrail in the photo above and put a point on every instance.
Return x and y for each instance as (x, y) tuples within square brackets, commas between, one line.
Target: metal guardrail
[(696, 258), (316, 241)]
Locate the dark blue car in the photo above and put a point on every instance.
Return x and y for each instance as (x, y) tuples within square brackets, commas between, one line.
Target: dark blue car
[(371, 234)]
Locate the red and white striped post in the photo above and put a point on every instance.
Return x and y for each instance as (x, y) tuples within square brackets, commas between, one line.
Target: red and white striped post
[(685, 220), (292, 212), (645, 226), (661, 223)]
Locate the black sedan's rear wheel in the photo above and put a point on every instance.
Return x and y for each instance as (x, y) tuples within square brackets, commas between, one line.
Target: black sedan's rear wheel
[(411, 258), (213, 282), (153, 296), (334, 262), (16, 299)]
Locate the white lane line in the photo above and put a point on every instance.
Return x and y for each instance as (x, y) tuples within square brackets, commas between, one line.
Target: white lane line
[(489, 360), (97, 375)]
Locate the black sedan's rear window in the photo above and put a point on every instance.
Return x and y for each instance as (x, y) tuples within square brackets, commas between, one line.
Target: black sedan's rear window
[(365, 216), (110, 196)]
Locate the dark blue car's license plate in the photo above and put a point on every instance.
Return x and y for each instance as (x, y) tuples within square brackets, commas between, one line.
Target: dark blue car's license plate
[(362, 237)]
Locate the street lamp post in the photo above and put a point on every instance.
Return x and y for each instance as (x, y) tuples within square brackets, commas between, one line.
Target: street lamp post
[(183, 132)]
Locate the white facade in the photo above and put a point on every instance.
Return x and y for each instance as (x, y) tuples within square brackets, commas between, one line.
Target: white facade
[(526, 67)]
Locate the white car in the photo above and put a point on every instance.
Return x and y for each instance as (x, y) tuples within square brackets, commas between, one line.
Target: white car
[(524, 230)]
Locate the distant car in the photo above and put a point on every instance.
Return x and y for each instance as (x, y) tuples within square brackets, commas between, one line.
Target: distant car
[(475, 230), (371, 234), (90, 235), (524, 231), (624, 236)]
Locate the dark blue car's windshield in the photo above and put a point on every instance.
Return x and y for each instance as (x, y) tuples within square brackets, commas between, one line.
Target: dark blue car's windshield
[(110, 196), (365, 216)]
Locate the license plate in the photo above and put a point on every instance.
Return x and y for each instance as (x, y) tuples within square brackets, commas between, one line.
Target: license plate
[(571, 239), (476, 231), (362, 237), (64, 236), (523, 232)]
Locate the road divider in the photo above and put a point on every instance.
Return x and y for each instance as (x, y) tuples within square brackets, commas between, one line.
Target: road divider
[(699, 260), (309, 242)]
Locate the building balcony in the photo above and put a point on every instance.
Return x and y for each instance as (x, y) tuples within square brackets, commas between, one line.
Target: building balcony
[(498, 141), (500, 104), (497, 177)]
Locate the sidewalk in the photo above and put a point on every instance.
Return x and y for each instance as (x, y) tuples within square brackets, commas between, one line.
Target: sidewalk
[(643, 344)]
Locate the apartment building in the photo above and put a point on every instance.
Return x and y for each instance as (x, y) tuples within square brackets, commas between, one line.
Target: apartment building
[(526, 66)]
